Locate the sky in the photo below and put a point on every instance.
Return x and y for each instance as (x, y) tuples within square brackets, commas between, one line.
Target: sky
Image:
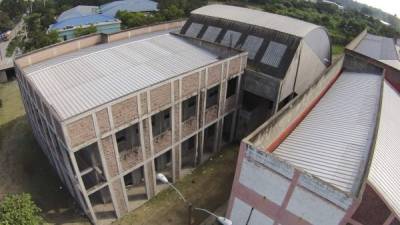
[(389, 6)]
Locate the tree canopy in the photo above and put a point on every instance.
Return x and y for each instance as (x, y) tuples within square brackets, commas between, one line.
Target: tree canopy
[(81, 31), (19, 210)]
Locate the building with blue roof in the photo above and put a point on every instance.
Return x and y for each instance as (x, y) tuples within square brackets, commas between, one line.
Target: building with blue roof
[(78, 11), (102, 17), (68, 23), (112, 8)]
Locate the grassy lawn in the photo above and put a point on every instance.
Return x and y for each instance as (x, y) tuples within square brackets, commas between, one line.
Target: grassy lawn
[(337, 49), (24, 168), (208, 187)]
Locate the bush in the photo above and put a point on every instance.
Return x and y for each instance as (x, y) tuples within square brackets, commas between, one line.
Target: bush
[(81, 31), (19, 210)]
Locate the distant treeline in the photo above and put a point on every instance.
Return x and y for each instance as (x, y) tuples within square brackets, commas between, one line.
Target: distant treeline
[(342, 25)]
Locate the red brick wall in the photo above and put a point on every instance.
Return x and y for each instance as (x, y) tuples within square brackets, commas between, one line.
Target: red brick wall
[(190, 84), (102, 121), (211, 114), (81, 131), (109, 155), (214, 74), (131, 159), (125, 111), (372, 210), (160, 96), (189, 126), (162, 141), (234, 66)]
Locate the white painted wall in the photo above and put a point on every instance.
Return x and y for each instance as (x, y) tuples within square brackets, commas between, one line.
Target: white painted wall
[(240, 212), (264, 182), (314, 209), (258, 218)]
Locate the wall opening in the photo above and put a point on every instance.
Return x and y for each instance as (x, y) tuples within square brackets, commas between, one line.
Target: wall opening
[(129, 149), (227, 128), (189, 108), (212, 97), (90, 166), (162, 135), (255, 110), (209, 141), (163, 164), (135, 186), (102, 204), (161, 122), (188, 155), (232, 85)]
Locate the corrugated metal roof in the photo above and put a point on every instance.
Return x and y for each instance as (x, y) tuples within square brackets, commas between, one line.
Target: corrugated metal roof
[(82, 21), (78, 11), (378, 47), (112, 8), (254, 17), (333, 141), (384, 174), (79, 82)]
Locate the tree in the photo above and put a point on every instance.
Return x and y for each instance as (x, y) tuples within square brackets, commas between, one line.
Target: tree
[(172, 12), (81, 31), (5, 22), (19, 209), (14, 8)]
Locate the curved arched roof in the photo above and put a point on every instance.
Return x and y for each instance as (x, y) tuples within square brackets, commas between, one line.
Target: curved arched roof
[(78, 11), (254, 17)]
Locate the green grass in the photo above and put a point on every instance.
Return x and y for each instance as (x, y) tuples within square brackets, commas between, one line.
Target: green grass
[(337, 49), (12, 106), (209, 187), (23, 166)]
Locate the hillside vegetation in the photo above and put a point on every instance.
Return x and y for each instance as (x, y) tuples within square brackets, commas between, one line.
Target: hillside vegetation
[(342, 25)]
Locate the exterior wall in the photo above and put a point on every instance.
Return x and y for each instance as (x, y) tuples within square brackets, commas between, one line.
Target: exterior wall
[(273, 131), (90, 40), (48, 133), (106, 28), (270, 190), (310, 69), (372, 210), (99, 127)]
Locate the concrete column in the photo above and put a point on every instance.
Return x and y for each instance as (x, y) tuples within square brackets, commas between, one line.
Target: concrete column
[(176, 162), (3, 76), (149, 171)]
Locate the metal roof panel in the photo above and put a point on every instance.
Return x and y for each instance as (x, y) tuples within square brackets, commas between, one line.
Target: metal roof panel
[(384, 173), (334, 139), (80, 82)]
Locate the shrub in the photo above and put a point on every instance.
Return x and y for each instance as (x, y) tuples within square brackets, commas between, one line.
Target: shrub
[(19, 209)]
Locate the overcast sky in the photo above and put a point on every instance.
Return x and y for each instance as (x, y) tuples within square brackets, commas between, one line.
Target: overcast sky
[(390, 6)]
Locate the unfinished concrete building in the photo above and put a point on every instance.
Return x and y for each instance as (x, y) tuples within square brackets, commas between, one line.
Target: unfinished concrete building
[(111, 111), (329, 157), (285, 55)]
